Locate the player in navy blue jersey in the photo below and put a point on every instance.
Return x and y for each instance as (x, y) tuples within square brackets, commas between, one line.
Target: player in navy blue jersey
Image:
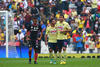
[(35, 37)]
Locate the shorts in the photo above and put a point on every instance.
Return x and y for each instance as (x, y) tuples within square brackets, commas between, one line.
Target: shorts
[(36, 45), (60, 44), (52, 46)]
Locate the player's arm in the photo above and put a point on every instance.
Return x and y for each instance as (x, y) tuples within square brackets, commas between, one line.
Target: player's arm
[(67, 29), (46, 42), (46, 36), (41, 33)]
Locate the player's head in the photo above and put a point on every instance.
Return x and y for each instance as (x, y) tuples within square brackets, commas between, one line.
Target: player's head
[(61, 18), (53, 22), (34, 20)]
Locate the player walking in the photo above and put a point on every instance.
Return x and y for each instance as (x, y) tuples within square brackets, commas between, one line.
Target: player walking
[(35, 36), (51, 33), (62, 28)]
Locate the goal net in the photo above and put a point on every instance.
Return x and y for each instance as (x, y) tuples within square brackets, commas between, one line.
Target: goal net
[(7, 38)]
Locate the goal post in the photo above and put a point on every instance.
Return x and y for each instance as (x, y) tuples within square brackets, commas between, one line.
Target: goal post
[(6, 34), (5, 14), (9, 43)]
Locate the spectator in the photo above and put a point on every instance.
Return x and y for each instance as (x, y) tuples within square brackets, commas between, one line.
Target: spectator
[(79, 44), (94, 6), (37, 3), (20, 37), (2, 5), (42, 15), (16, 25), (22, 5), (79, 5), (43, 26), (73, 25), (91, 45), (35, 12), (1, 37), (53, 6), (74, 12), (28, 18), (87, 24), (24, 30), (98, 46), (14, 6), (74, 36), (72, 4), (98, 4), (2, 22), (30, 3), (58, 14), (96, 25), (65, 4), (81, 24)]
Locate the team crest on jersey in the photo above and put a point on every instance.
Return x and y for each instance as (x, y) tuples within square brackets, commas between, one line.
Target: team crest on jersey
[(34, 28), (60, 27), (53, 31)]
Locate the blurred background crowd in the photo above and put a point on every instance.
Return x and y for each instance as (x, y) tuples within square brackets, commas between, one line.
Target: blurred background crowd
[(82, 15)]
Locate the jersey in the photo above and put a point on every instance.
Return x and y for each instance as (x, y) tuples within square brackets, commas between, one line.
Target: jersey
[(52, 34), (81, 24), (35, 31), (62, 27)]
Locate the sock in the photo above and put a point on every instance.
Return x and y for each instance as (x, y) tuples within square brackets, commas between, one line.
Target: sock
[(35, 56), (30, 55), (51, 55), (64, 54), (60, 56), (55, 56)]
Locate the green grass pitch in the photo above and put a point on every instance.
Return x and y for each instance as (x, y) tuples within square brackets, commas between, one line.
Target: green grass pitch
[(44, 62)]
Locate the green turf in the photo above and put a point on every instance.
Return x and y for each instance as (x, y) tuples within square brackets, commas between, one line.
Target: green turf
[(44, 62)]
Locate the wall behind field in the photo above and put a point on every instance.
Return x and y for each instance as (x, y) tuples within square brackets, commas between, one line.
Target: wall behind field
[(22, 52)]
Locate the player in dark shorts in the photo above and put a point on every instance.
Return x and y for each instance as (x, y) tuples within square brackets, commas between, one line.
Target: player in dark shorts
[(62, 27), (51, 35), (35, 37)]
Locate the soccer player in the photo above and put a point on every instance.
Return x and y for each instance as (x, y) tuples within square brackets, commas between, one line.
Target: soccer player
[(51, 34), (62, 28), (35, 36)]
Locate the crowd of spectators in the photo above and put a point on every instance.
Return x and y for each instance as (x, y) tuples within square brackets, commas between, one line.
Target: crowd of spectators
[(82, 15)]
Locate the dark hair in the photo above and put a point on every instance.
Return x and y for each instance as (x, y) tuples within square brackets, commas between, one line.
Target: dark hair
[(62, 15)]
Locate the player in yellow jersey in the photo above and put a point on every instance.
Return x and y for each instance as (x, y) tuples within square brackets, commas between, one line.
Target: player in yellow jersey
[(62, 28), (51, 33)]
